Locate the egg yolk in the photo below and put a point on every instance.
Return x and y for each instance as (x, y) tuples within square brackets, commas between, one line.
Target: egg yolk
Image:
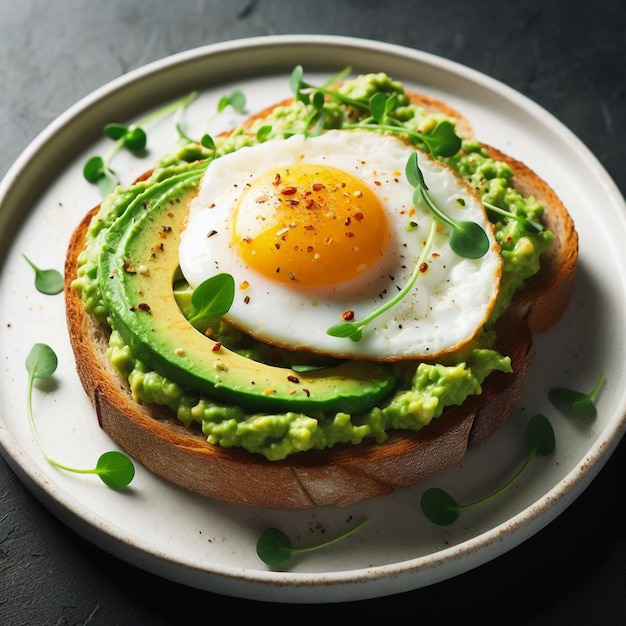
[(310, 225)]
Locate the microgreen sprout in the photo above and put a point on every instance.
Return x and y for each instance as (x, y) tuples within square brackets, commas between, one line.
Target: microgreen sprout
[(353, 329), (467, 239), (48, 281), (304, 91), (442, 141), (212, 298), (530, 225), (97, 169), (115, 469), (275, 549), (442, 509), (582, 403), (236, 100)]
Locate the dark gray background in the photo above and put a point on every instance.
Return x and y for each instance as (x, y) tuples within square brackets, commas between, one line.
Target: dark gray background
[(568, 57)]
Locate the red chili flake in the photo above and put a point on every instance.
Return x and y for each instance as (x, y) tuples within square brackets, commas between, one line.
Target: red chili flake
[(128, 268), (217, 346), (423, 267), (309, 248), (309, 227), (142, 306), (318, 186), (377, 183), (310, 203), (247, 240), (277, 180), (289, 191), (246, 300), (158, 248), (293, 202), (349, 234), (293, 379), (358, 216), (347, 316), (170, 214), (509, 239)]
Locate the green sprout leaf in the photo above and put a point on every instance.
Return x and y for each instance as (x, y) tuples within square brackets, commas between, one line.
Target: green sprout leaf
[(97, 172), (236, 99), (442, 509), (275, 549), (115, 469), (41, 362), (212, 298), (443, 140), (132, 137), (115, 131), (467, 239), (264, 133), (353, 329), (581, 403), (530, 225), (93, 169), (295, 81), (378, 106), (376, 114), (48, 281), (135, 139), (97, 169), (207, 141), (304, 90)]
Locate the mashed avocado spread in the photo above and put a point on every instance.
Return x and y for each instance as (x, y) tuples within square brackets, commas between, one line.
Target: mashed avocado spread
[(422, 389)]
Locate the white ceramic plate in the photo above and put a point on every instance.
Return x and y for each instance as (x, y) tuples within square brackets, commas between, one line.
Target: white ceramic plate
[(211, 545)]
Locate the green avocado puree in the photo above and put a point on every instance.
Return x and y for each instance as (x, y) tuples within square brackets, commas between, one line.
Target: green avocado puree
[(423, 390)]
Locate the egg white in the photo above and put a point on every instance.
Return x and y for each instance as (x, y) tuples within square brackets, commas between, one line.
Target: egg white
[(448, 304)]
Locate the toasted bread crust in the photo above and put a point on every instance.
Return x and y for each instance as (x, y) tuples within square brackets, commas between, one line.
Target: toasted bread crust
[(344, 474)]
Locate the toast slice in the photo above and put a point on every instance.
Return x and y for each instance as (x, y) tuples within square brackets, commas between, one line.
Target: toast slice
[(344, 474)]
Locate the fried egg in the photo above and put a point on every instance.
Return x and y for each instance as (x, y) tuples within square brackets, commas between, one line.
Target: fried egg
[(316, 230)]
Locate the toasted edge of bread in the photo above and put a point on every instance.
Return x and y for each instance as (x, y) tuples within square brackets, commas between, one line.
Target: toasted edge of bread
[(344, 474)]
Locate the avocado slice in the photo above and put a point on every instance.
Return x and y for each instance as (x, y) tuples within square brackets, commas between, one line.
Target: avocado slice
[(137, 268)]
